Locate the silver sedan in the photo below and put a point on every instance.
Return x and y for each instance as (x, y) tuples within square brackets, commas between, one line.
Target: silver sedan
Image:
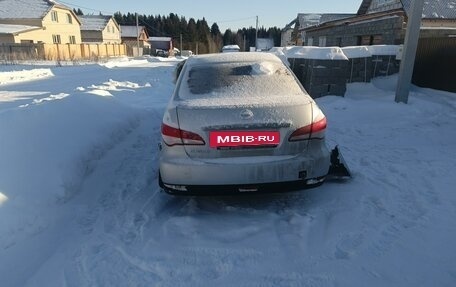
[(241, 122)]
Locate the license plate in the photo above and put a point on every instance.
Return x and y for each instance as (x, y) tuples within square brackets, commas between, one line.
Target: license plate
[(243, 138)]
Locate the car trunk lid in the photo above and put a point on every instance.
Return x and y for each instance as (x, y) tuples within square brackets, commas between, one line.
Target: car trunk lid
[(232, 131)]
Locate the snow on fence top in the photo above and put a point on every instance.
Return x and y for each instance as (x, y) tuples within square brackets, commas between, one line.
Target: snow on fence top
[(314, 53), (356, 52), (335, 53)]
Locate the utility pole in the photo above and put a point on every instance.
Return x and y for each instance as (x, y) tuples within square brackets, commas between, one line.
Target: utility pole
[(181, 43), (137, 33), (408, 56), (244, 44), (256, 34)]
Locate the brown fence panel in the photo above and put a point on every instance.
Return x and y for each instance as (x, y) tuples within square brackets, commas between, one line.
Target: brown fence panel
[(24, 51), (59, 52), (435, 64)]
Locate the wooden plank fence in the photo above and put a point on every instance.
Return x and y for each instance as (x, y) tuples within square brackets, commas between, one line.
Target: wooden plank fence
[(60, 52)]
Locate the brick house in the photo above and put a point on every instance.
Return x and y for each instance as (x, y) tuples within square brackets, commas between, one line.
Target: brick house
[(38, 21), (382, 22), (99, 29), (294, 33)]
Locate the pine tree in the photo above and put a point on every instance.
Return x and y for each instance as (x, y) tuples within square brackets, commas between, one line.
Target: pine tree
[(78, 12), (195, 33)]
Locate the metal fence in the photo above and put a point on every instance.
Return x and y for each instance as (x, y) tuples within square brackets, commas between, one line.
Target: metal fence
[(435, 64), (329, 77)]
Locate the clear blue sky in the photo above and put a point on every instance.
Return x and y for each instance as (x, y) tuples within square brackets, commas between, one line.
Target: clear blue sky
[(232, 14)]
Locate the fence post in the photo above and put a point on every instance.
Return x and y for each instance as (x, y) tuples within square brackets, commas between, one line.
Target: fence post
[(388, 66), (351, 72)]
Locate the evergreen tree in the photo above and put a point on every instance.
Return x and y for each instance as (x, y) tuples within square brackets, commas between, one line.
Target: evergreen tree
[(215, 31), (78, 12), (228, 37), (196, 34)]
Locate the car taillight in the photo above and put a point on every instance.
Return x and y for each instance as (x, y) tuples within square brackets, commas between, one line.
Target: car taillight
[(174, 136), (314, 130)]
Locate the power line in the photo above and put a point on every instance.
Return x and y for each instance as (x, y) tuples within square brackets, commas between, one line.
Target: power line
[(237, 20), (111, 13), (86, 8), (145, 23)]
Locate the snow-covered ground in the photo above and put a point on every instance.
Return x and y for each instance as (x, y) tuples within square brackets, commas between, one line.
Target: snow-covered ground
[(80, 205)]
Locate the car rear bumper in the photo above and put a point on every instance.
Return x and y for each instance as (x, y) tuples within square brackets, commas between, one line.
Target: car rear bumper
[(275, 187), (181, 173)]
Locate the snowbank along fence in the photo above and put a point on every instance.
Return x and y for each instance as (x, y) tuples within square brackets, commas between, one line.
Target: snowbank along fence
[(12, 52)]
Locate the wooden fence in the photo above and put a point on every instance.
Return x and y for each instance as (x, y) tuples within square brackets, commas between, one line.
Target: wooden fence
[(60, 52)]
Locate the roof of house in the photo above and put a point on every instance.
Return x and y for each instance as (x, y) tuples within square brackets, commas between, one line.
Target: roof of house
[(160, 39), (14, 29), (311, 19), (130, 31), (231, 47), (94, 22), (27, 9), (437, 9), (365, 4)]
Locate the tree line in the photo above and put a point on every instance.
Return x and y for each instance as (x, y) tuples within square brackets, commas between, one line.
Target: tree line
[(197, 35)]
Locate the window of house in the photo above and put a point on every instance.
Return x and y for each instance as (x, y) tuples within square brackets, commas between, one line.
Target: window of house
[(364, 40), (339, 41), (54, 16), (310, 41), (56, 39), (69, 18), (72, 40), (322, 41), (377, 40)]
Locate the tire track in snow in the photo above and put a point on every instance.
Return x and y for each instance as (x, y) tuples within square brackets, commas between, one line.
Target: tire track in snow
[(117, 193)]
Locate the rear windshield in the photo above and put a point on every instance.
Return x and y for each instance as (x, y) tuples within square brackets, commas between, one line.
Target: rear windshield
[(239, 80)]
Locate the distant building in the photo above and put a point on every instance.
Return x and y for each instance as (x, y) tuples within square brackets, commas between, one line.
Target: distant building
[(264, 44), (38, 21), (230, 48), (294, 33), (286, 37), (99, 29), (129, 36), (382, 22), (159, 44)]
